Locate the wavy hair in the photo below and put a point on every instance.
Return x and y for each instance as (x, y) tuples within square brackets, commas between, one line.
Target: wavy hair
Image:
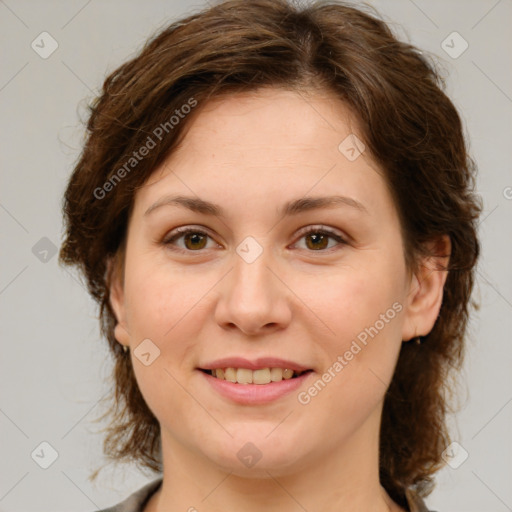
[(408, 124)]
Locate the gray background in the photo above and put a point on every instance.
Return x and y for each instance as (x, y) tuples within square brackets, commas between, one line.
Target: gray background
[(54, 366)]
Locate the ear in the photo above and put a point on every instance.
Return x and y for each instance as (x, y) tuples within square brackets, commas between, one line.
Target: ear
[(425, 293), (116, 296)]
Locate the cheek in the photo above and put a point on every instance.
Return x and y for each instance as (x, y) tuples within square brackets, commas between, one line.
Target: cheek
[(348, 300), (160, 299), (362, 308), (163, 309)]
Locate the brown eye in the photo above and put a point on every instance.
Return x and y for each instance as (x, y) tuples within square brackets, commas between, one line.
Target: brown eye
[(320, 239), (194, 241), (316, 241), (187, 240)]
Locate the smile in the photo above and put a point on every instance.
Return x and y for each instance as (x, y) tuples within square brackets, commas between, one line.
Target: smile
[(260, 376)]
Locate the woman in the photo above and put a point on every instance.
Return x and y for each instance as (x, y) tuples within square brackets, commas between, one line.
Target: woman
[(274, 209)]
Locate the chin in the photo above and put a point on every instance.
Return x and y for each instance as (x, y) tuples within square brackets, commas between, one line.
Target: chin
[(254, 454)]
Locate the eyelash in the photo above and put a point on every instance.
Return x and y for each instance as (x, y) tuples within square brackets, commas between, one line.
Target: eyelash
[(180, 232)]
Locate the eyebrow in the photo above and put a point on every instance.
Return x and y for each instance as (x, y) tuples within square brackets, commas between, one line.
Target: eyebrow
[(294, 207)]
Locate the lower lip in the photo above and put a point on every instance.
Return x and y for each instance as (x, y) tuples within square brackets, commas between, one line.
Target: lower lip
[(255, 394)]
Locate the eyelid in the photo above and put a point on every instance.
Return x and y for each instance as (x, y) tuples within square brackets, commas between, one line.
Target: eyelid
[(183, 230), (319, 228), (178, 232)]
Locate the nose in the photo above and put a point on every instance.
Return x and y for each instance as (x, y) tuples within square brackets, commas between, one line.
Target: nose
[(253, 298)]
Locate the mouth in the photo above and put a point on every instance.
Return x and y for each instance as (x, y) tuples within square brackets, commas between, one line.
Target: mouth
[(260, 376)]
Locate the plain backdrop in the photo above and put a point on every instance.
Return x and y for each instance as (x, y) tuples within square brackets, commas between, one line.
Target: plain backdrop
[(54, 365)]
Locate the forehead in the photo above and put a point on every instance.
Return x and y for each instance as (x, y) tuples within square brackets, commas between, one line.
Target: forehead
[(281, 122), (269, 142)]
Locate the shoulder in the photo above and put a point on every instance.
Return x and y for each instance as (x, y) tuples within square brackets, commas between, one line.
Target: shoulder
[(136, 501)]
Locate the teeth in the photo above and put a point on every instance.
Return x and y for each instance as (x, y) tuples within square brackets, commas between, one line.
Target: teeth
[(229, 374), (287, 374), (246, 376), (276, 374), (261, 376)]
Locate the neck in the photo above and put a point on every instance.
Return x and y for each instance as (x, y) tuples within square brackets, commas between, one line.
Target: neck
[(342, 480)]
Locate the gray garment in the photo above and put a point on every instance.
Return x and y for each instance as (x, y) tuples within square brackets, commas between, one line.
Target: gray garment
[(138, 500)]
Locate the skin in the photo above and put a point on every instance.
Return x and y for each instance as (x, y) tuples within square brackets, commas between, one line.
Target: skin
[(251, 153)]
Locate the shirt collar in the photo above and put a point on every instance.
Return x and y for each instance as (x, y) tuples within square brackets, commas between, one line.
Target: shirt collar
[(138, 500)]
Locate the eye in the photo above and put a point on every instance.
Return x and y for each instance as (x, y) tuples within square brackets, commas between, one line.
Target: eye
[(194, 239), (317, 238)]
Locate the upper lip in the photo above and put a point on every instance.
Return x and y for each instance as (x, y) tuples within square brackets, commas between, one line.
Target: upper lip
[(255, 364)]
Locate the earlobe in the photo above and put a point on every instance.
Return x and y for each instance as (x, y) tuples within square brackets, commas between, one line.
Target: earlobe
[(426, 291), (116, 297)]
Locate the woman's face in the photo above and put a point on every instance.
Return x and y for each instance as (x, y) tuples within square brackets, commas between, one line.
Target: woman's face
[(298, 266)]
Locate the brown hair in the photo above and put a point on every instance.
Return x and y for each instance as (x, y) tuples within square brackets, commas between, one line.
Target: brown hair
[(408, 124)]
